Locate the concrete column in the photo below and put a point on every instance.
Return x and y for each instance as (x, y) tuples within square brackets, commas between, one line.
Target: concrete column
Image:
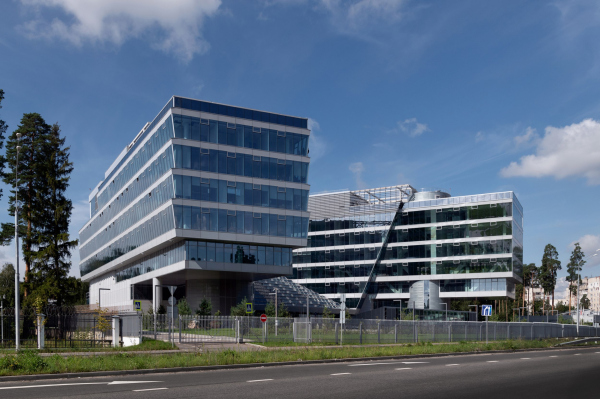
[(115, 331), (41, 331), (156, 294)]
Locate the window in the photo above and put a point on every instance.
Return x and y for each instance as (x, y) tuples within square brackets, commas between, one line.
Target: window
[(474, 207), (357, 233), (405, 264), (493, 205), (439, 227), (456, 209), (438, 262), (456, 244), (327, 284), (438, 211), (456, 262), (438, 245), (474, 243), (493, 223), (230, 125), (230, 154), (456, 226), (255, 129), (204, 121), (474, 225), (356, 283), (405, 230), (404, 247), (256, 158)]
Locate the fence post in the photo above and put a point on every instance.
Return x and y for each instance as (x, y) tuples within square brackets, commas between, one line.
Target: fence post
[(40, 330), (154, 313), (449, 332), (141, 328), (360, 333), (336, 334), (433, 338), (115, 331), (466, 328), (480, 335), (179, 328), (378, 333), (396, 333)]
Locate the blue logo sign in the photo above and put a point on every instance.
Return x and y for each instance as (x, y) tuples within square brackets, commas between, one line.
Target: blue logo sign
[(137, 305), (249, 308), (486, 310)]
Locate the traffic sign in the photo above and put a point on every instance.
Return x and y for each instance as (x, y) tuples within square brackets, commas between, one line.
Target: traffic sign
[(263, 318), (343, 317), (486, 310), (137, 305), (249, 308), (171, 301)]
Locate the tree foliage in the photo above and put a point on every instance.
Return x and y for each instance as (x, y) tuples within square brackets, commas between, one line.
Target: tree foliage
[(205, 308), (576, 262), (585, 302), (239, 309), (7, 284), (183, 307), (549, 269)]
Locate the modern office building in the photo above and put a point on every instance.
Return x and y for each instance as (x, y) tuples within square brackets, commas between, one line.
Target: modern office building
[(393, 245), (206, 197)]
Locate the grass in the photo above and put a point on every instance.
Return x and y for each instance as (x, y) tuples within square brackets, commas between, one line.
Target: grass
[(30, 362), (147, 344)]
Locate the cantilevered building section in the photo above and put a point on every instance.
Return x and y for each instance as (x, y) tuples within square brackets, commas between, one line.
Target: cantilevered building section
[(207, 197), (393, 244)]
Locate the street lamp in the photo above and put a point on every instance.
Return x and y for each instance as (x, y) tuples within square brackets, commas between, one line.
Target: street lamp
[(17, 304), (2, 317), (101, 289), (276, 315)]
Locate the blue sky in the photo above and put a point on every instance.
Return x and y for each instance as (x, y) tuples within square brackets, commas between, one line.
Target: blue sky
[(466, 96)]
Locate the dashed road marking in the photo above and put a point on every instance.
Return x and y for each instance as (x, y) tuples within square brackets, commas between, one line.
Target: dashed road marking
[(553, 356), (150, 389), (525, 358), (267, 379), (414, 362), (341, 373), (492, 361), (454, 364), (404, 368)]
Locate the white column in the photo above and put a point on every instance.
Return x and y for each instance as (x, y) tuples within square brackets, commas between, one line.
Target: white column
[(156, 294)]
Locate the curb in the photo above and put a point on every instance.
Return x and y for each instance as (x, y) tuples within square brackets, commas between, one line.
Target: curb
[(39, 377)]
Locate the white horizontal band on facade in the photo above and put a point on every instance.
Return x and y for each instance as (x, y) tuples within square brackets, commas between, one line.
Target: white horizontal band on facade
[(338, 296), (405, 244), (235, 207), (475, 294), (131, 228), (412, 260), (240, 150), (133, 203), (411, 278), (412, 226), (131, 155)]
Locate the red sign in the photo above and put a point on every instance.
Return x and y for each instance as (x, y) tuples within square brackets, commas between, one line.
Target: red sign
[(263, 318)]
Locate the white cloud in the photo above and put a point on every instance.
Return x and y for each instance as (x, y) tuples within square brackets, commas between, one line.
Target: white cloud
[(357, 168), (530, 137), (479, 136), (572, 150), (589, 244), (361, 17), (316, 144), (413, 127), (115, 21)]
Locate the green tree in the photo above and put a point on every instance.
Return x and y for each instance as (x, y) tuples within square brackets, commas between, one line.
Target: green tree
[(205, 308), (7, 284), (576, 262), (239, 309), (270, 309), (161, 310), (32, 156), (283, 310), (327, 314), (183, 307), (51, 252), (585, 302), (530, 280), (3, 127), (549, 269)]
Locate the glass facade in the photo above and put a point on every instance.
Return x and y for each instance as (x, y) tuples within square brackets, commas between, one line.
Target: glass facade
[(239, 164), (239, 222), (371, 241), (238, 193), (236, 135)]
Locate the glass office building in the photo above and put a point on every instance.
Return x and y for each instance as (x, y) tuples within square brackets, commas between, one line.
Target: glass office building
[(393, 245), (207, 197)]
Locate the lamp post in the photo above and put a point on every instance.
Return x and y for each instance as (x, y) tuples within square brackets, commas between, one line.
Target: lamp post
[(276, 306), (2, 317), (17, 304), (99, 290)]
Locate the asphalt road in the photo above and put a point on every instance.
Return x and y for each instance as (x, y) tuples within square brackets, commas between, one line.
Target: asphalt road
[(545, 374)]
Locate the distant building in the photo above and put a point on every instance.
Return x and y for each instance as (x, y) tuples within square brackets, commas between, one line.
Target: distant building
[(393, 245)]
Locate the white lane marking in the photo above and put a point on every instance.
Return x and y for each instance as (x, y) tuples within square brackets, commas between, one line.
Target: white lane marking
[(453, 364), (578, 354), (80, 383), (414, 362), (492, 361), (341, 374), (525, 358), (404, 368), (553, 356), (150, 389), (372, 364), (268, 379)]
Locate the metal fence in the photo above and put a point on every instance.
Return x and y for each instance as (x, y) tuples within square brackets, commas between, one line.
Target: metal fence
[(64, 329), (191, 329)]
